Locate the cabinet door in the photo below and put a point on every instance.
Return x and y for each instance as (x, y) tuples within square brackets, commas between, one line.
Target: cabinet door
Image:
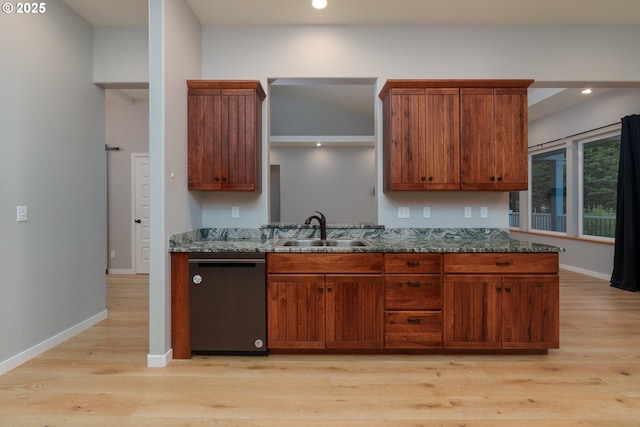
[(295, 311), (423, 147), (354, 311), (240, 135), (205, 141), (442, 139), (511, 139), (477, 139), (404, 154), (471, 306), (530, 311)]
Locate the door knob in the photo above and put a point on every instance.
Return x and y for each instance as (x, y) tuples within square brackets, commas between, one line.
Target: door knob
[(138, 221)]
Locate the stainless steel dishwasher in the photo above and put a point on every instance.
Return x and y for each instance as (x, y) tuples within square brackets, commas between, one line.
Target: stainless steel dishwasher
[(228, 303)]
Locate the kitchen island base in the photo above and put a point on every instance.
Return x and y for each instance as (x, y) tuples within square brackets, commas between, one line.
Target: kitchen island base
[(408, 303)]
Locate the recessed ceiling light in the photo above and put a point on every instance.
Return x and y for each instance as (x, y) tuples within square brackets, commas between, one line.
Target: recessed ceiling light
[(319, 4), (586, 91), (318, 144)]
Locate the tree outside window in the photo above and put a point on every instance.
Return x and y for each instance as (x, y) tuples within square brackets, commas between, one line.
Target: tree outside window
[(599, 185)]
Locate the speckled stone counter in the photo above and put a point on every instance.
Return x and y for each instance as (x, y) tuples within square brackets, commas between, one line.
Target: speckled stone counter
[(419, 240)]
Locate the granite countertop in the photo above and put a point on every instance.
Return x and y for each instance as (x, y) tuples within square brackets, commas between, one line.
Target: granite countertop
[(267, 238)]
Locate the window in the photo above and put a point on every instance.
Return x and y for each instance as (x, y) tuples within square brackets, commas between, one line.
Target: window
[(514, 209), (549, 191), (599, 186)]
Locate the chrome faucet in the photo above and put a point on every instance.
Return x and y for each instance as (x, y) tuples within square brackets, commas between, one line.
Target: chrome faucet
[(322, 221)]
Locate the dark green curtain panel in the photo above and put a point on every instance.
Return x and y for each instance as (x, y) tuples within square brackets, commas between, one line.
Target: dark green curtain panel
[(626, 258)]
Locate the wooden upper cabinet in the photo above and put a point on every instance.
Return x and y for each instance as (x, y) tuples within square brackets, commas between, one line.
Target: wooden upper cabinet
[(511, 133), (455, 135), (421, 139), (494, 138), (225, 135)]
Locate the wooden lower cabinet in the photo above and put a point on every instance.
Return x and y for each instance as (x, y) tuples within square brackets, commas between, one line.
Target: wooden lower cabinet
[(530, 311), (412, 329), (413, 302), (325, 311), (296, 311), (494, 311)]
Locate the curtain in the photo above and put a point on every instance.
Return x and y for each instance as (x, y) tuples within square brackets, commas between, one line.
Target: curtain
[(627, 245)]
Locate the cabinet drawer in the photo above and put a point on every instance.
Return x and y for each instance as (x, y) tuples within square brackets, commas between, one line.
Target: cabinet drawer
[(413, 292), (413, 329), (501, 263), (321, 263), (413, 263)]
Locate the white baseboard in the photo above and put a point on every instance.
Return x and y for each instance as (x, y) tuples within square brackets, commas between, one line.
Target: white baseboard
[(48, 344), (159, 361), (121, 271), (595, 274)]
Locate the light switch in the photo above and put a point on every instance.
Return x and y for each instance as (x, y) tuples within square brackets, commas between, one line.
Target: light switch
[(426, 212), (467, 211), (235, 212), (22, 214), (403, 212), (484, 212)]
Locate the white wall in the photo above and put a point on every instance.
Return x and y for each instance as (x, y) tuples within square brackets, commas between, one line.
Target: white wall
[(545, 53), (175, 56), (127, 127), (52, 160), (588, 257), (121, 55), (338, 181)]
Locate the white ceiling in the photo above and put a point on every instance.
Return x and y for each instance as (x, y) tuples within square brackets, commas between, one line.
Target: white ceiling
[(280, 12)]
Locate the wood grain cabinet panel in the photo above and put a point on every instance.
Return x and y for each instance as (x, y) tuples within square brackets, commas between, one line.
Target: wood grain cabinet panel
[(330, 310), (412, 263), (413, 301), (421, 139), (413, 329), (224, 135), (296, 311), (501, 311), (493, 139), (501, 263), (455, 135), (472, 311), (354, 307), (413, 292), (530, 311)]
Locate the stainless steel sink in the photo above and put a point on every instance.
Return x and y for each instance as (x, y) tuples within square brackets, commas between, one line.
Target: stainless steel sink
[(328, 242)]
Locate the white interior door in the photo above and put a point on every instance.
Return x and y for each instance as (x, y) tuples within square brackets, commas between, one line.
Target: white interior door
[(141, 191)]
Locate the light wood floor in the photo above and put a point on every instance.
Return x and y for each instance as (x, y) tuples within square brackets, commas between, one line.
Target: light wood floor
[(99, 378)]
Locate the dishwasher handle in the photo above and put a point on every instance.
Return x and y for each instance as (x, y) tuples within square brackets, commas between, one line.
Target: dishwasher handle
[(227, 261)]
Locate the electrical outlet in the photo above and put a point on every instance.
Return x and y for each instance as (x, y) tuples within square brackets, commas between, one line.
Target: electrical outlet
[(484, 212), (426, 212), (235, 212), (404, 212), (112, 254), (467, 211)]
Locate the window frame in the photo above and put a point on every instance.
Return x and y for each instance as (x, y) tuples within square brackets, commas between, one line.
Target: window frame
[(547, 148), (579, 143), (574, 152)]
